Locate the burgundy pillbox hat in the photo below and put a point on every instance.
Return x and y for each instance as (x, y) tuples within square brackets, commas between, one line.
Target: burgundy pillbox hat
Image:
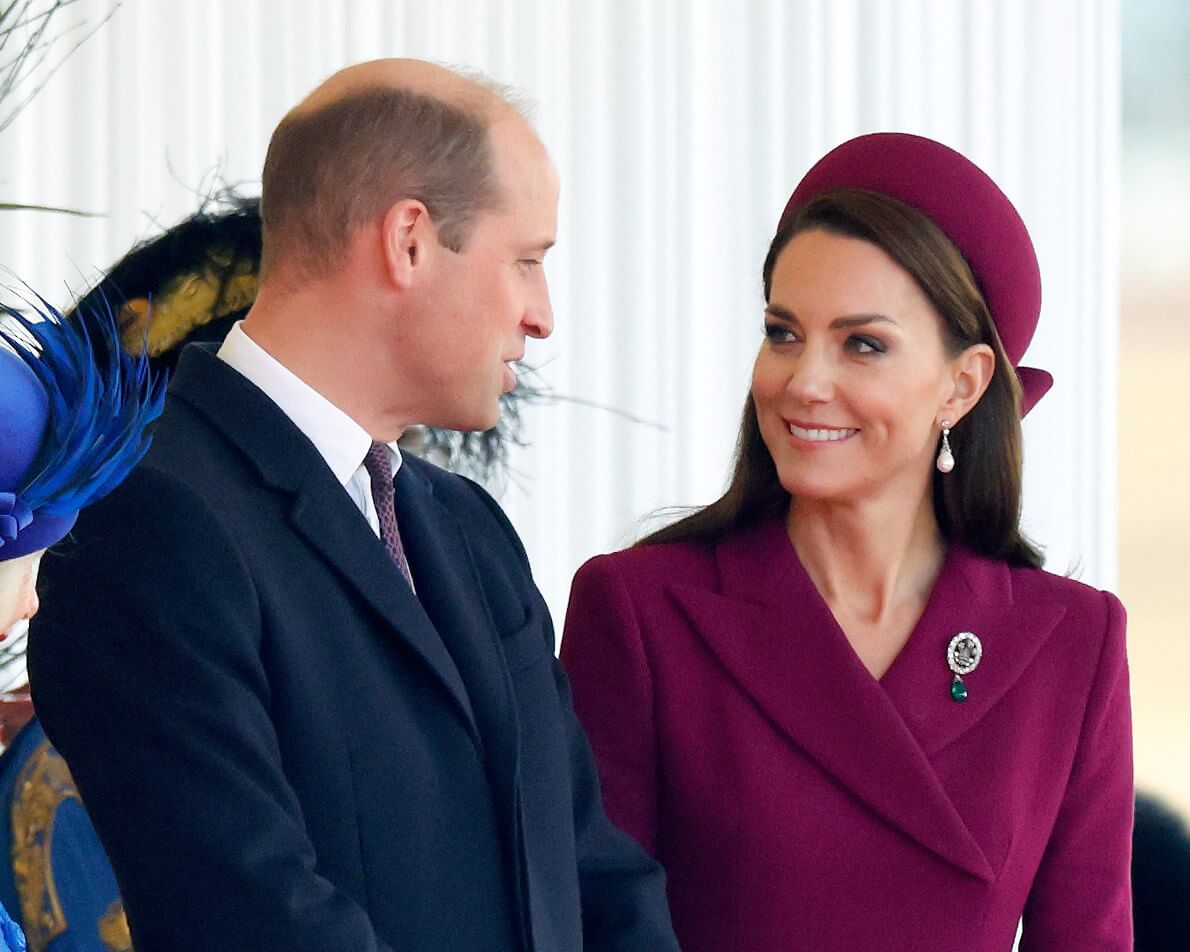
[(967, 205)]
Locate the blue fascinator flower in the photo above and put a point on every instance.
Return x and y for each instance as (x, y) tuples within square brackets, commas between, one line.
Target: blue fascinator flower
[(73, 411), (12, 939)]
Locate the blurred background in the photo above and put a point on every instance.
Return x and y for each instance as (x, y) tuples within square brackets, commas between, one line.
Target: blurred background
[(1154, 462), (679, 128)]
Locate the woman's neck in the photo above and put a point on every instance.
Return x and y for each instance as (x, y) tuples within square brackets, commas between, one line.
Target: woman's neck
[(872, 561)]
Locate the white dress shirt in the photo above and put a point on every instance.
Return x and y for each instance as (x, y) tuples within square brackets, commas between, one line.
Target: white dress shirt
[(340, 441)]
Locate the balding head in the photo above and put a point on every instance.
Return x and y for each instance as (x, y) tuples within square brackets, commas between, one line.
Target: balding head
[(472, 94), (374, 134)]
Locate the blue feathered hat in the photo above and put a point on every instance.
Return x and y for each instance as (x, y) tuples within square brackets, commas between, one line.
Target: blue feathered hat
[(73, 410)]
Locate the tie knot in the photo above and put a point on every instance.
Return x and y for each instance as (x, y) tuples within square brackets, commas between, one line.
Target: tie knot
[(377, 463), (380, 474)]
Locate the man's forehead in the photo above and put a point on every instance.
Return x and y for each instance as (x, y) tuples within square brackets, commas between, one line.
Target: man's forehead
[(520, 154)]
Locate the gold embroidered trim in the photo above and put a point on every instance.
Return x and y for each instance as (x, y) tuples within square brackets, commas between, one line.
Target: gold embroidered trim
[(113, 928), (42, 785)]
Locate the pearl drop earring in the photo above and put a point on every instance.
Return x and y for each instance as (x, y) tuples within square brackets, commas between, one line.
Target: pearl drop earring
[(945, 456)]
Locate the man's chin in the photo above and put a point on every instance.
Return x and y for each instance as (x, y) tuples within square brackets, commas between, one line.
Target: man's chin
[(468, 422)]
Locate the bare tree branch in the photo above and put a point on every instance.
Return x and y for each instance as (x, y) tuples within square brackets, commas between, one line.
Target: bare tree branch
[(25, 72)]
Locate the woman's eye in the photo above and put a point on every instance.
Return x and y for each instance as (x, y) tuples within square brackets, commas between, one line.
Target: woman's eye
[(528, 264), (860, 344), (778, 334)]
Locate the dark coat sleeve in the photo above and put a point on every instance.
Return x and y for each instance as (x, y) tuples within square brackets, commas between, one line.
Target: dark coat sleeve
[(624, 906), (146, 671)]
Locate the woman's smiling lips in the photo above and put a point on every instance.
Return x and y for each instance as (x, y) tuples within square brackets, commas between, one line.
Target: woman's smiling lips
[(809, 433)]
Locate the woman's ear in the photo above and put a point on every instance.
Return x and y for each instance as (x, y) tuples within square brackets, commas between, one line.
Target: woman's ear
[(971, 372)]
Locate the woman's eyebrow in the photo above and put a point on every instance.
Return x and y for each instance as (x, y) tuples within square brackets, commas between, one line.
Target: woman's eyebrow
[(839, 323)]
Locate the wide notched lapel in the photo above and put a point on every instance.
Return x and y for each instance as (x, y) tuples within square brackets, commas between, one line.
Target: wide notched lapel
[(774, 635), (320, 511), (972, 594)]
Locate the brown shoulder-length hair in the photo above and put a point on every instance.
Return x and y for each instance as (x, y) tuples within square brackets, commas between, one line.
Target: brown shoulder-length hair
[(978, 504)]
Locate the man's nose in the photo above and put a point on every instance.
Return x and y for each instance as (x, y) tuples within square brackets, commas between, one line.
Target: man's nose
[(538, 321)]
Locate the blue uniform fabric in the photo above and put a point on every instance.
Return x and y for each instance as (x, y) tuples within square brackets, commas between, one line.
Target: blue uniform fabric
[(58, 882)]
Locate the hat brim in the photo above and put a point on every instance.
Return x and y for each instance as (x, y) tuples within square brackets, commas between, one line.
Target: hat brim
[(1035, 384), (41, 533)]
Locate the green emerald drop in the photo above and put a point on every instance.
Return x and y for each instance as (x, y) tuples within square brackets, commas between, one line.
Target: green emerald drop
[(958, 691)]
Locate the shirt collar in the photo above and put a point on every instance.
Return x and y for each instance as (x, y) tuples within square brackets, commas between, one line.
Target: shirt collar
[(339, 440)]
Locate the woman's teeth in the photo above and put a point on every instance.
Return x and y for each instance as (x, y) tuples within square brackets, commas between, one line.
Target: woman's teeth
[(820, 436)]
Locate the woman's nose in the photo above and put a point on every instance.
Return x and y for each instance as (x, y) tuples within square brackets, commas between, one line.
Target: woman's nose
[(32, 602), (29, 601), (812, 380)]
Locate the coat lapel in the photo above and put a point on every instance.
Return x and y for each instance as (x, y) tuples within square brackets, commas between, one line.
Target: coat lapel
[(972, 594), (449, 587), (320, 512), (773, 634), (324, 516)]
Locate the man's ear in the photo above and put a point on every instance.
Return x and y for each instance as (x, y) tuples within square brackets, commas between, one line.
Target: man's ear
[(971, 372), (407, 235)]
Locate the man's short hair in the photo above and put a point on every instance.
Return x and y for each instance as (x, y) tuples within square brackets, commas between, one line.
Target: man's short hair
[(332, 170)]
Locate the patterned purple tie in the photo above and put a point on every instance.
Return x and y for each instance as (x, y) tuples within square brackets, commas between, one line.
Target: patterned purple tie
[(380, 472)]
